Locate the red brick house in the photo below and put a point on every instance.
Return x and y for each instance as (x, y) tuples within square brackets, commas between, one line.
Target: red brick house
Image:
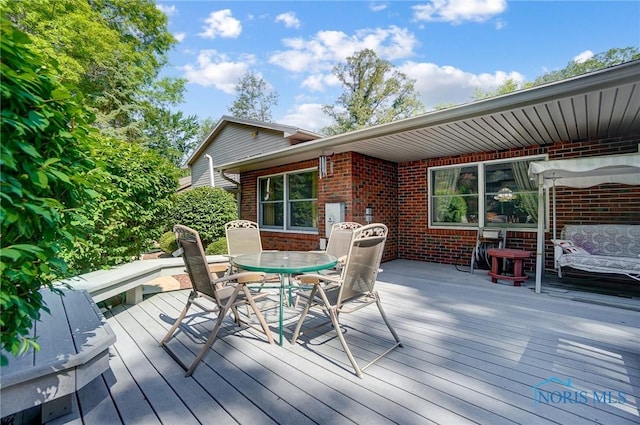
[(434, 179)]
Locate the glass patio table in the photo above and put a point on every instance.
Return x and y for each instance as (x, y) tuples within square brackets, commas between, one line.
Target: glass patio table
[(284, 263)]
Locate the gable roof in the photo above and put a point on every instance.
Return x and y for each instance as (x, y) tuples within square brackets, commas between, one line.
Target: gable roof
[(294, 134), (602, 104)]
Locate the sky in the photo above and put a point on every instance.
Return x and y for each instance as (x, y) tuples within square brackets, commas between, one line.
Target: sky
[(449, 47)]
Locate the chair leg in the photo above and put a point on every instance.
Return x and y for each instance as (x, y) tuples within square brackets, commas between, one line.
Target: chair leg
[(307, 306), (386, 321), (179, 320), (205, 350), (254, 307), (343, 341)]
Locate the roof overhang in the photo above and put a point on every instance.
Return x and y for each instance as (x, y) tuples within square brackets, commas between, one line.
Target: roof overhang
[(600, 105)]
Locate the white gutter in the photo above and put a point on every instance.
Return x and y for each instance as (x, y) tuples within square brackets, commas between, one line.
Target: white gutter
[(213, 184)]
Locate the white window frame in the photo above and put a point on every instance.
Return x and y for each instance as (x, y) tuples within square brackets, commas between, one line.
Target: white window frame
[(286, 201), (482, 195)]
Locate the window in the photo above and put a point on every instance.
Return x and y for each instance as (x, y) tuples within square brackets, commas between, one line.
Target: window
[(496, 193), (289, 201)]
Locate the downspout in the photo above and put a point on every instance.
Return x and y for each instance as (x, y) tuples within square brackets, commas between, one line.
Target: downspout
[(213, 184)]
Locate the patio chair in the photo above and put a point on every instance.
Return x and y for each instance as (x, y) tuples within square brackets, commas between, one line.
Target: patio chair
[(352, 290), (220, 295), (338, 246), (243, 237), (340, 242)]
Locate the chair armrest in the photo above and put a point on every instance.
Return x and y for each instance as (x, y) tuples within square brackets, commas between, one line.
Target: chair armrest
[(243, 278), (315, 279)]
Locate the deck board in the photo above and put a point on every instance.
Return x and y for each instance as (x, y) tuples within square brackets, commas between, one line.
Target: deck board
[(473, 353)]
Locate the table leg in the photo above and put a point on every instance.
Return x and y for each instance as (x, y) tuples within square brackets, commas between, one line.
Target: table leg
[(494, 268), (517, 271), (283, 284)]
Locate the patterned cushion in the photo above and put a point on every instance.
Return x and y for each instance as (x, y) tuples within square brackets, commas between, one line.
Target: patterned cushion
[(615, 240)]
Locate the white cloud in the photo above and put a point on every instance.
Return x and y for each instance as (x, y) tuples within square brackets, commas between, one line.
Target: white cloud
[(447, 84), (308, 116), (377, 7), (216, 70), (221, 24), (289, 19), (180, 36), (319, 82), (326, 48), (458, 11), (167, 10), (584, 56)]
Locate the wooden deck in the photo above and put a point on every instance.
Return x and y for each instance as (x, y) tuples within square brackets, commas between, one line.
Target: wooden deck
[(474, 352)]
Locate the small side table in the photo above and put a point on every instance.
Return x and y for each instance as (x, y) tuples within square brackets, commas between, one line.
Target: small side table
[(512, 254)]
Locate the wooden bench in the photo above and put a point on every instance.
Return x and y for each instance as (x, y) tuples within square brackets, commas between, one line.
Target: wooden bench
[(74, 349), (517, 256)]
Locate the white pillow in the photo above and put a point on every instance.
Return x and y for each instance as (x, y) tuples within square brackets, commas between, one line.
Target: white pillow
[(568, 247), (574, 250)]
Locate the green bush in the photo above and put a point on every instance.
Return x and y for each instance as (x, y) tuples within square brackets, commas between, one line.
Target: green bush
[(206, 210), (217, 247), (168, 242), (137, 186), (46, 183)]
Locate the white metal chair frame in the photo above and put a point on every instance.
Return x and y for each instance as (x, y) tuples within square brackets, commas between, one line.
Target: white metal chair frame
[(352, 290)]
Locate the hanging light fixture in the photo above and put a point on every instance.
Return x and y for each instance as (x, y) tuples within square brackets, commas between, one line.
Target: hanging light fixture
[(505, 195)]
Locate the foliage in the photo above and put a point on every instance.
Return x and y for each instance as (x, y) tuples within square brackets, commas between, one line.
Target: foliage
[(254, 99), (456, 211), (113, 51), (217, 247), (138, 185), (611, 57), (206, 127), (374, 92), (45, 182), (602, 60), (168, 242), (508, 86), (206, 210)]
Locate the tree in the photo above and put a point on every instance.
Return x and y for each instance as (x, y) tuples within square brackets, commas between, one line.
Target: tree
[(254, 99), (169, 133), (47, 182), (206, 126), (373, 93), (611, 57), (508, 86), (112, 50)]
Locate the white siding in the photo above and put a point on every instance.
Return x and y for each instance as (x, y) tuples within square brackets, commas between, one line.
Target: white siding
[(233, 143)]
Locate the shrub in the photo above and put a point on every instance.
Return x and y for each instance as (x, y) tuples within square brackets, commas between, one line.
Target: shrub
[(217, 247), (168, 242), (137, 184), (206, 210), (46, 183)]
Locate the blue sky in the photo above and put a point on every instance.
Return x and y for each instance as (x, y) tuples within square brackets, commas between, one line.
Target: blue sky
[(450, 47)]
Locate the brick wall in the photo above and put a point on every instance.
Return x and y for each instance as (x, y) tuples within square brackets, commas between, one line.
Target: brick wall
[(605, 204), (399, 195), (356, 180)]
